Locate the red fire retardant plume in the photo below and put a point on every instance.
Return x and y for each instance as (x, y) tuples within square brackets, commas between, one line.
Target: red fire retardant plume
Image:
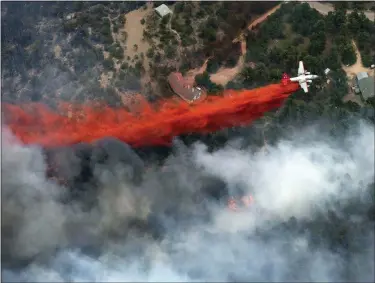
[(35, 123)]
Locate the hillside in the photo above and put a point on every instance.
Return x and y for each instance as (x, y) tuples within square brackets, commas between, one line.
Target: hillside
[(59, 50), (103, 51), (107, 50)]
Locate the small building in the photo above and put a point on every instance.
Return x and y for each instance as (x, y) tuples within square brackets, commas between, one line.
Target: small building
[(326, 71), (185, 91), (70, 16), (163, 10), (361, 75), (365, 85)]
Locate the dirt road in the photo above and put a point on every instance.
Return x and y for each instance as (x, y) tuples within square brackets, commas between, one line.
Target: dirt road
[(224, 75), (352, 70), (325, 8), (190, 75), (257, 21)]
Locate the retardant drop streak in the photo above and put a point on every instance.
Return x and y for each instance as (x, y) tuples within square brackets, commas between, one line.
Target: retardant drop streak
[(154, 125)]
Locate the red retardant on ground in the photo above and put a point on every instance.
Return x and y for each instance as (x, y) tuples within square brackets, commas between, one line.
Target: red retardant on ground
[(35, 123)]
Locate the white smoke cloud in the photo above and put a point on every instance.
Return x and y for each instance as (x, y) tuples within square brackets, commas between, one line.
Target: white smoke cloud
[(303, 178), (297, 177)]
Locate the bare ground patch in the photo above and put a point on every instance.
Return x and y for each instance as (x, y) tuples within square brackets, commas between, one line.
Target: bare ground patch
[(57, 51), (352, 70), (135, 43), (190, 75), (224, 75)]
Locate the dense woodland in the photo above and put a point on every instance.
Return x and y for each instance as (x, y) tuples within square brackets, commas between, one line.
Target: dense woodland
[(32, 72)]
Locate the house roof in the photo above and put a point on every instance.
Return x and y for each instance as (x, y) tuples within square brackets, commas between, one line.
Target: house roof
[(362, 75), (163, 10), (366, 86), (179, 86)]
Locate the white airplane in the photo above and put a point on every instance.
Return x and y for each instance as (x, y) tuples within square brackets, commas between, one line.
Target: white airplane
[(304, 77)]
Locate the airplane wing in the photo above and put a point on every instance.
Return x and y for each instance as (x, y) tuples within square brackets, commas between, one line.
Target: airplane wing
[(301, 69), (304, 86)]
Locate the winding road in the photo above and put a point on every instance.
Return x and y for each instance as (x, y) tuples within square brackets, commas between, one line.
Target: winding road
[(224, 75)]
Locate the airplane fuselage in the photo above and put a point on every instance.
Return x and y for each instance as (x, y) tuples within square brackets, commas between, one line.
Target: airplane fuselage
[(303, 78)]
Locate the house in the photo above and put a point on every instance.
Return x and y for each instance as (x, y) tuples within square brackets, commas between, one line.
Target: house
[(185, 91), (163, 10), (365, 85)]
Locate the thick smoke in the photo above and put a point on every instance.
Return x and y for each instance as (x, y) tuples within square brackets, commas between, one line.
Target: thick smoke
[(149, 222)]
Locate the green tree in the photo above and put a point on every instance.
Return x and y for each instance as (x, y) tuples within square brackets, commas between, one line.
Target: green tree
[(276, 55), (201, 13), (215, 88), (347, 52), (366, 59), (363, 38), (339, 19), (150, 52), (275, 75), (179, 7), (234, 85), (248, 74), (333, 59), (313, 64), (108, 64), (207, 33), (170, 51), (261, 73), (212, 22), (298, 40), (157, 57), (317, 43), (122, 19), (222, 12), (116, 51), (165, 19), (203, 79), (212, 66), (304, 18)]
